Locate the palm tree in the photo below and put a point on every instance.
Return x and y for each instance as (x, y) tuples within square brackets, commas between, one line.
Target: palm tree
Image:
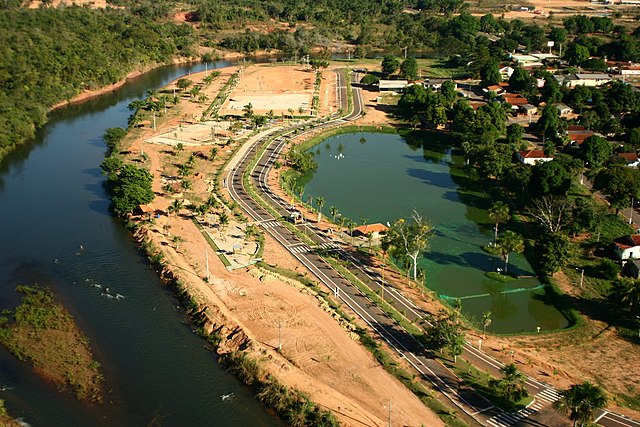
[(510, 242), (213, 153), (179, 147), (320, 203), (176, 206), (223, 218), (486, 321), (499, 212), (248, 110), (580, 401), (627, 293), (334, 213), (513, 383)]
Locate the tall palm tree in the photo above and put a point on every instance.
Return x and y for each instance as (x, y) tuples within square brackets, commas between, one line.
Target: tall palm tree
[(513, 382), (499, 212), (580, 401), (320, 203), (334, 213), (510, 242), (486, 321)]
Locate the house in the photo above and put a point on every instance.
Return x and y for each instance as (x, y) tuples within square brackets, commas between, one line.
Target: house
[(392, 85), (497, 89), (586, 79), (563, 110), (436, 84), (578, 136), (627, 247), (513, 99), (631, 159), (529, 110), (629, 71), (632, 268), (531, 157), (506, 72), (374, 229)]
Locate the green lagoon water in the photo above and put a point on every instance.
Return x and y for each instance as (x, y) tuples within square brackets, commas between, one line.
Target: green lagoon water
[(382, 177)]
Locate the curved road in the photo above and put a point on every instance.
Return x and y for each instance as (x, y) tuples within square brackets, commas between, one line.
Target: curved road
[(465, 398)]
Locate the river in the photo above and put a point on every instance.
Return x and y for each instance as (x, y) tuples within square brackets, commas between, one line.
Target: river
[(380, 177), (57, 231)]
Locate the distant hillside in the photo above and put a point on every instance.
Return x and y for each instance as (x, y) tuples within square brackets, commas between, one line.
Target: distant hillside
[(49, 55)]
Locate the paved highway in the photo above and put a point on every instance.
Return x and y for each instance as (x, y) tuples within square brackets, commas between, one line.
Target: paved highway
[(465, 398)]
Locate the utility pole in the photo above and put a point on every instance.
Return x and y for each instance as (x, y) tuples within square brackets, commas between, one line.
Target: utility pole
[(279, 335), (631, 211), (206, 256), (390, 408)]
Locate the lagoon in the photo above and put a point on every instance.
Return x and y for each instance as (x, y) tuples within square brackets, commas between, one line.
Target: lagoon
[(382, 177)]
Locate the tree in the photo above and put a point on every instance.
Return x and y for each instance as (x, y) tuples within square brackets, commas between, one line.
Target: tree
[(619, 184), (409, 238), (490, 74), (130, 187), (576, 54), (334, 212), (521, 81), (499, 212), (549, 123), (390, 65), (550, 178), (515, 131), (445, 333), (553, 251), (320, 203), (508, 243), (486, 322), (213, 153), (113, 136), (409, 69), (580, 401), (512, 385), (596, 151), (176, 206), (369, 79), (183, 83), (627, 293), (248, 110), (552, 211)]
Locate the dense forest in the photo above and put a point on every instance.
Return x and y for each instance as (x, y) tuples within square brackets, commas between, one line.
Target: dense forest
[(50, 55)]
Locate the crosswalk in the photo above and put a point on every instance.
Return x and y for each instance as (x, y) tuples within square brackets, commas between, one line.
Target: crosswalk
[(270, 224), (302, 249), (544, 398)]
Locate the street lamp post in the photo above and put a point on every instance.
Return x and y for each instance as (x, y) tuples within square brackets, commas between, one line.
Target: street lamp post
[(581, 275)]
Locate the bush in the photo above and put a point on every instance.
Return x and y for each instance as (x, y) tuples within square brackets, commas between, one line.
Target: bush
[(369, 79), (609, 269)]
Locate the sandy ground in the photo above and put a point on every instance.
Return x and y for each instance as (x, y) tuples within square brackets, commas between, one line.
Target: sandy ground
[(319, 355), (278, 89)]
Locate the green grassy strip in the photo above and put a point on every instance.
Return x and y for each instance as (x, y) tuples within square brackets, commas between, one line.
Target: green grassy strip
[(480, 381), (391, 311), (213, 245), (220, 98)]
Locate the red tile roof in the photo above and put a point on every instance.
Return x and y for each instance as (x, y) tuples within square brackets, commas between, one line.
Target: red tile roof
[(632, 157), (371, 228), (627, 242), (533, 154)]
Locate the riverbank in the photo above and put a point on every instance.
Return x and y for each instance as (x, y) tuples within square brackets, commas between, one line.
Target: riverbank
[(290, 332)]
